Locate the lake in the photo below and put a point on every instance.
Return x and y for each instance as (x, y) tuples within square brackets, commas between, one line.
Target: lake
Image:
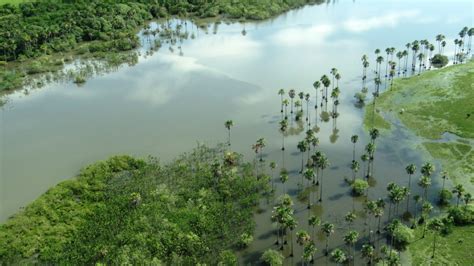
[(171, 100)]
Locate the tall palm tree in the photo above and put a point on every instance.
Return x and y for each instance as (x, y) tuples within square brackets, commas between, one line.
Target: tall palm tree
[(281, 92), (308, 113), (328, 229), (290, 223), (314, 221), (302, 147), (283, 128), (228, 124), (326, 83), (323, 163), (399, 57), (415, 47), (350, 238), (273, 165), (425, 182), (379, 61), (354, 139), (467, 198), (284, 178), (368, 252), (309, 175), (426, 208), (355, 168), (338, 256), (333, 72), (285, 103), (405, 55), (302, 237), (410, 169), (316, 86), (421, 56), (292, 95), (427, 169), (439, 39), (459, 190), (435, 226), (308, 252)]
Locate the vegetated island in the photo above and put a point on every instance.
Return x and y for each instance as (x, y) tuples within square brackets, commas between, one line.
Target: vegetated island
[(40, 36), (438, 107), (196, 209)]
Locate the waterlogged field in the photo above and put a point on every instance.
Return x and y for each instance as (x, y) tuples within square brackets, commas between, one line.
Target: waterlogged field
[(181, 85)]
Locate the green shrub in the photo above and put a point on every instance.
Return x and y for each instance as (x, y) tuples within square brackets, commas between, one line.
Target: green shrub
[(445, 197), (359, 186), (439, 60), (461, 215)]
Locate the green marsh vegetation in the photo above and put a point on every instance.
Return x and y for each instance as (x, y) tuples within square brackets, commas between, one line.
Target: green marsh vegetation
[(126, 210)]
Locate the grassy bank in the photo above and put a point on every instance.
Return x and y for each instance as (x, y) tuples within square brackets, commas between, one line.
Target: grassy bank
[(129, 211), (430, 105)]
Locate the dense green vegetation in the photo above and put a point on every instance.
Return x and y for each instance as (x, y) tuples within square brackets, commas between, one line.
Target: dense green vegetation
[(129, 211), (38, 28)]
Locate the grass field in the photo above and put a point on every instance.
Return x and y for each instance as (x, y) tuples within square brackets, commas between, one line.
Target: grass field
[(453, 249), (14, 2), (434, 103)]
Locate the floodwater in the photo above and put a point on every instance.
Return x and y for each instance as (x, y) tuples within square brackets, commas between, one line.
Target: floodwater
[(173, 99)]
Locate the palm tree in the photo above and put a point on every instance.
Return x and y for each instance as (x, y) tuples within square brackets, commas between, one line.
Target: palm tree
[(427, 169), (374, 134), (439, 39), (350, 217), (290, 223), (333, 72), (283, 128), (283, 177), (399, 57), (308, 252), (338, 256), (328, 229), (410, 169), (285, 103), (350, 239), (302, 237), (323, 163), (421, 56), (309, 175), (302, 147), (292, 95), (426, 209), (281, 92), (326, 83), (355, 168), (273, 165), (354, 139), (261, 143), (435, 226), (308, 114), (379, 61), (368, 252), (316, 86), (459, 190), (424, 182), (228, 124), (313, 221), (415, 47)]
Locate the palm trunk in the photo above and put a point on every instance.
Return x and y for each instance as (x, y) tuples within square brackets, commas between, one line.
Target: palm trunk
[(321, 188)]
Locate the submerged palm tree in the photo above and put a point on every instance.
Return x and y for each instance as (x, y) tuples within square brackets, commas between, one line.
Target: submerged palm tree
[(308, 252), (410, 169), (281, 92), (314, 221), (302, 147), (328, 229), (228, 124), (326, 83), (350, 239), (368, 252), (322, 163), (292, 95), (354, 139)]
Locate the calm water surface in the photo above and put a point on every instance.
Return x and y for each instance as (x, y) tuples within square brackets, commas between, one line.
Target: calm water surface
[(168, 102)]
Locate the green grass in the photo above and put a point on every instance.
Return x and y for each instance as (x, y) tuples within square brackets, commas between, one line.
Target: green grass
[(13, 2), (453, 249), (434, 103)]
